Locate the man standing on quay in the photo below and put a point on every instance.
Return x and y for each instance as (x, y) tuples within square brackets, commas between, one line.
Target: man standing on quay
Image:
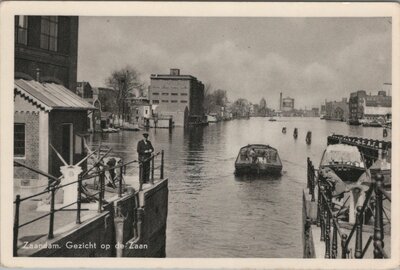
[(144, 149)]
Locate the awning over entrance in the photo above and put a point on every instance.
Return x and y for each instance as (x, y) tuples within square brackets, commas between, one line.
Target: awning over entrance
[(50, 96)]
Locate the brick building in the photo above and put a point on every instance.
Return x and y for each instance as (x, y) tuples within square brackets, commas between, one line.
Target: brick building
[(44, 114), (337, 110), (84, 90), (139, 111), (179, 96), (287, 104), (48, 44), (46, 110), (364, 106)]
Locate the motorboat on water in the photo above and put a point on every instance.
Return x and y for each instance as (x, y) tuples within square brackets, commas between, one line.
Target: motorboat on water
[(345, 161), (258, 159), (373, 123), (272, 119)]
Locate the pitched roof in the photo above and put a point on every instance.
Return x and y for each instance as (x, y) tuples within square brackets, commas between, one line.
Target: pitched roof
[(50, 96)]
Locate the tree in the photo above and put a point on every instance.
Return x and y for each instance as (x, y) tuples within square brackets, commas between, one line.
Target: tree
[(124, 82), (262, 109), (214, 99), (241, 108)]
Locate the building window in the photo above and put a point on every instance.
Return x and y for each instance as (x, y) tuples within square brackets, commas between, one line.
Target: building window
[(165, 94), (21, 30), (183, 101), (164, 101), (19, 140), (174, 101), (155, 94), (49, 33), (155, 101), (174, 94), (184, 94)]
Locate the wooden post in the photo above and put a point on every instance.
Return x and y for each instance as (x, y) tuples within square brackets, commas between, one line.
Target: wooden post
[(378, 225), (162, 165), (51, 225), (16, 225), (359, 221), (78, 200)]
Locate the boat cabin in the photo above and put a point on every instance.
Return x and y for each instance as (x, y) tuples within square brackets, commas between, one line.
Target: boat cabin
[(258, 158), (345, 160)]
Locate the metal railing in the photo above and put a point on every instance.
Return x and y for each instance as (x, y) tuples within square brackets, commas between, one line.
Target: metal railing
[(96, 172), (329, 223), (369, 148)]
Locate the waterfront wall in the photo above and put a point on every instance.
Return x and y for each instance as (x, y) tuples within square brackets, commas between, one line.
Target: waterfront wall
[(131, 226)]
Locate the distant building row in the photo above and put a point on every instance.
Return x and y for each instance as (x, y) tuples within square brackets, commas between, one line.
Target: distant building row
[(360, 107)]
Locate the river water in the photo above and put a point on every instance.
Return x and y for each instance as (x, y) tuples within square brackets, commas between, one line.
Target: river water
[(212, 213)]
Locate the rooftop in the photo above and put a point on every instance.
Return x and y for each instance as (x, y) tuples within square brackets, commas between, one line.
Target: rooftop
[(50, 96)]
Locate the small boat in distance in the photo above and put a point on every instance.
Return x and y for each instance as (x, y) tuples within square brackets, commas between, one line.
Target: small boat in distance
[(258, 159), (272, 119), (345, 160), (373, 123)]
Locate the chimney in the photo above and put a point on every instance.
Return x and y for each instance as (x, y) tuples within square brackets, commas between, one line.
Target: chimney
[(174, 72), (280, 101)]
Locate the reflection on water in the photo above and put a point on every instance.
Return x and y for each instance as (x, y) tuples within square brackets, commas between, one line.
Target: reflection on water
[(212, 212)]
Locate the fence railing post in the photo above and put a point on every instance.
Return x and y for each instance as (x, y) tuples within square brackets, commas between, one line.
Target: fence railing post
[(322, 215), (51, 225), (121, 173), (312, 183), (319, 204), (101, 191), (140, 176), (378, 225), (334, 238), (308, 174), (162, 165), (78, 200), (359, 221), (16, 225), (327, 224), (343, 241), (152, 170)]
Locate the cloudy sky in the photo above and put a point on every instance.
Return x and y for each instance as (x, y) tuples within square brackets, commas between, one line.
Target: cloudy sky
[(309, 59)]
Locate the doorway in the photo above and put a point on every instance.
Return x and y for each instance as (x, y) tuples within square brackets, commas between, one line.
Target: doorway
[(67, 143)]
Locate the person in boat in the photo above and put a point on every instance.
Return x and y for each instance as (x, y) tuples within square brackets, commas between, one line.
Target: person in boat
[(252, 155), (145, 149)]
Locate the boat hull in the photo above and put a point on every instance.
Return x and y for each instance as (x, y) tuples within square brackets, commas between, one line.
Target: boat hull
[(258, 171)]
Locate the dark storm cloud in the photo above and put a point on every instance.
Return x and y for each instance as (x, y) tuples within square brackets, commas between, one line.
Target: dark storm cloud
[(309, 59)]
